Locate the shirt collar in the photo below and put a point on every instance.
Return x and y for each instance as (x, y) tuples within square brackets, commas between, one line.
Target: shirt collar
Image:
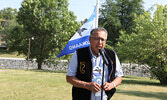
[(92, 53)]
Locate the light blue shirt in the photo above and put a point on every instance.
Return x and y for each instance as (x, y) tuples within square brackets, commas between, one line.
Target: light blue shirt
[(96, 61)]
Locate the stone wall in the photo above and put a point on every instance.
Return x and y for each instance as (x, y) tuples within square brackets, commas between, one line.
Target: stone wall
[(136, 70), (21, 63)]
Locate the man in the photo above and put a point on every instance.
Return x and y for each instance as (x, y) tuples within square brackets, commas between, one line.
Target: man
[(85, 69)]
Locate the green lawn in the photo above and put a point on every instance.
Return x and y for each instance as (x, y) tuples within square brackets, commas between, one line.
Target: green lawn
[(49, 85), (139, 88)]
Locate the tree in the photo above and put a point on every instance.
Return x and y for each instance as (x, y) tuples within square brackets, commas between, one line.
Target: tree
[(15, 35), (50, 24), (149, 44), (8, 13), (116, 15)]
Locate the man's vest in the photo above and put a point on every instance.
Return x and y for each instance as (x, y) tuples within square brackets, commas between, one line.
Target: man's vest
[(84, 72)]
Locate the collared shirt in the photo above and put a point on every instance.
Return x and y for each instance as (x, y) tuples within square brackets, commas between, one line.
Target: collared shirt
[(97, 66)]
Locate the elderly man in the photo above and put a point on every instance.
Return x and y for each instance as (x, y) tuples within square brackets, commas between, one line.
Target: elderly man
[(86, 67)]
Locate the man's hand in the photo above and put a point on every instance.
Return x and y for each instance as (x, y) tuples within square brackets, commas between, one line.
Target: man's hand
[(108, 86), (93, 86)]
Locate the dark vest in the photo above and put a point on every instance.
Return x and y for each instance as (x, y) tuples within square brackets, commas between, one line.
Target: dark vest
[(84, 72)]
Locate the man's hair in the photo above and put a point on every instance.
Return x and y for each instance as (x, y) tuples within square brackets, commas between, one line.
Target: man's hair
[(98, 29)]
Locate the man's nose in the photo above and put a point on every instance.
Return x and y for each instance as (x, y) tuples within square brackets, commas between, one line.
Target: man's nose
[(100, 41)]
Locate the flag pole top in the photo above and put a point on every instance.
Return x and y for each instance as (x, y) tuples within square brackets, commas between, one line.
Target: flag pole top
[(97, 14)]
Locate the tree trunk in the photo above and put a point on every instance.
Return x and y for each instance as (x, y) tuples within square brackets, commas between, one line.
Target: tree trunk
[(164, 81), (39, 65), (41, 56)]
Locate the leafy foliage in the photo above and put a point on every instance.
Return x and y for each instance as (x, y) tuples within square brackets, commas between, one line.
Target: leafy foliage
[(15, 35), (8, 13), (47, 21), (116, 15), (149, 44)]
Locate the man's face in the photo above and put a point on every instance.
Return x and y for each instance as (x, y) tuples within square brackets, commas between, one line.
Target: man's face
[(97, 41)]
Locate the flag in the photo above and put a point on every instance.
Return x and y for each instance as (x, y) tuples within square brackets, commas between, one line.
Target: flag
[(81, 38)]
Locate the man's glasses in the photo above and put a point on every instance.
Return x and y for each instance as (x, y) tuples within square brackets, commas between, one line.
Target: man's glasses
[(98, 39)]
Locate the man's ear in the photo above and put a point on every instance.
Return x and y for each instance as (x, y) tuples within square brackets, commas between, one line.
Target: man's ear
[(89, 38)]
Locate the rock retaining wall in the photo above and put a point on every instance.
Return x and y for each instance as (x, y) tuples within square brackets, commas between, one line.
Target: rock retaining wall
[(21, 63), (136, 70)]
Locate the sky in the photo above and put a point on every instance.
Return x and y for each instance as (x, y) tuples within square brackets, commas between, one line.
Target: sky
[(81, 8)]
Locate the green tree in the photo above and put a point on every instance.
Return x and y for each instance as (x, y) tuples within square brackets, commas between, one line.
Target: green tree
[(149, 44), (8, 13), (15, 36), (116, 15), (50, 24)]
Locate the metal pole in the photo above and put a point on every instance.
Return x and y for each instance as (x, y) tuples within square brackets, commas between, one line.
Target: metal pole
[(102, 88), (29, 45), (97, 14)]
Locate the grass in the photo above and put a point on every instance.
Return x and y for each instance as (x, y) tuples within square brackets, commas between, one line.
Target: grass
[(140, 88), (33, 85), (49, 85)]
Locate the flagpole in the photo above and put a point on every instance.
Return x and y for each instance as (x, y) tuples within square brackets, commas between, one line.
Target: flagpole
[(97, 14)]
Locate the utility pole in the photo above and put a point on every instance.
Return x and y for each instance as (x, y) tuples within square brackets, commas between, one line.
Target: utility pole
[(29, 48), (28, 56)]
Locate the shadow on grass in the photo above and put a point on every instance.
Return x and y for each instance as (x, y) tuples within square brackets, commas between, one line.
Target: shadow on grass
[(141, 82), (136, 80), (158, 95)]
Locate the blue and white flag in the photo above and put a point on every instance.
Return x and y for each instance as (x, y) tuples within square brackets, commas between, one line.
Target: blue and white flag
[(81, 37)]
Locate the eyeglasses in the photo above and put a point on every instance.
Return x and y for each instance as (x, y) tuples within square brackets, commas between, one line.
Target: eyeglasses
[(98, 39)]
